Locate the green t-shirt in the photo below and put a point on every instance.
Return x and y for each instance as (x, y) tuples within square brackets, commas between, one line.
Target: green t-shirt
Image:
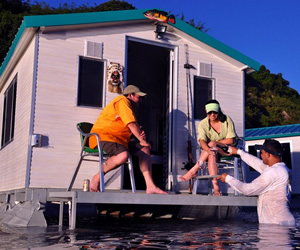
[(207, 133)]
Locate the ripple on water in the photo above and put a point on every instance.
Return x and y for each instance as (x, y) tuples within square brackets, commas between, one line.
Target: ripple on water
[(132, 233)]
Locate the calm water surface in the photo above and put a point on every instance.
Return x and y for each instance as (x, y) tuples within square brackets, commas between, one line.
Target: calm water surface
[(140, 233)]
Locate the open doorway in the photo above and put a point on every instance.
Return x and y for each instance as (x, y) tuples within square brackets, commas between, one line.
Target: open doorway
[(148, 67)]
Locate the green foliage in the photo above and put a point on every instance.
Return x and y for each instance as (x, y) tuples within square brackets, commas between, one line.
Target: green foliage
[(9, 24), (199, 25), (114, 5), (270, 101)]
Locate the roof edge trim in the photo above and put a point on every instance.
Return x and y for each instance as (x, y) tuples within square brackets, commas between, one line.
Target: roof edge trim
[(271, 136), (117, 16)]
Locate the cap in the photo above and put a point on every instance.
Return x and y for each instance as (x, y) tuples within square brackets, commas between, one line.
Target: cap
[(271, 146), (133, 89), (212, 107)]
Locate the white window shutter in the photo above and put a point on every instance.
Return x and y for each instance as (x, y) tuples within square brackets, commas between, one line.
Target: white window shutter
[(93, 49), (204, 69)]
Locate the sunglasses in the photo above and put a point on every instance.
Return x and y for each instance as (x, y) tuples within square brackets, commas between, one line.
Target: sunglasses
[(212, 112)]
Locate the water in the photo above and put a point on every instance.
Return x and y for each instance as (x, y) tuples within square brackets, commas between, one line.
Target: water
[(107, 232)]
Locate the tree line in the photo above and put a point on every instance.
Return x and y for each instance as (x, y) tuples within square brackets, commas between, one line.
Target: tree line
[(269, 99)]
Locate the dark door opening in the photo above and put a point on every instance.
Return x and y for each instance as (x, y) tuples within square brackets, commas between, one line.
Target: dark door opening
[(148, 67)]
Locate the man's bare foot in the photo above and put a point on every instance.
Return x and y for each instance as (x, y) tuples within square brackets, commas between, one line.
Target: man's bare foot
[(217, 193), (95, 182), (155, 190)]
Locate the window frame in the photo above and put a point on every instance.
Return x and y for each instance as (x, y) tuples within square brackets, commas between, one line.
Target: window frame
[(7, 136), (194, 94), (104, 62), (290, 166)]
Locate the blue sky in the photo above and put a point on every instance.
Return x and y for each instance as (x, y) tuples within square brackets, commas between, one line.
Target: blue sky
[(264, 30)]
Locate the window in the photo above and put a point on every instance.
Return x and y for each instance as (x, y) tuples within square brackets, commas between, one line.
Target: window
[(91, 82), (286, 156), (202, 94), (9, 106)]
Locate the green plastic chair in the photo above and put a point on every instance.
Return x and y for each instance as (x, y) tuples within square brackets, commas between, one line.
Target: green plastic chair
[(84, 129)]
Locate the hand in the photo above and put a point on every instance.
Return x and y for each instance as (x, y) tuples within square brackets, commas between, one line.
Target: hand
[(222, 152), (213, 150), (232, 150), (143, 135), (145, 144), (222, 177)]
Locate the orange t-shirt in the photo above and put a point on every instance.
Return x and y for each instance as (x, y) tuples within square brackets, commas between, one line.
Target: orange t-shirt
[(111, 124)]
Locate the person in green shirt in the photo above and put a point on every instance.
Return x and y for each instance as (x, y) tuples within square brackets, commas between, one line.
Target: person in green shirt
[(214, 132)]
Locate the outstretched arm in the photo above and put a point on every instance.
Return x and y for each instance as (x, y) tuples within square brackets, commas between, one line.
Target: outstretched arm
[(256, 187)]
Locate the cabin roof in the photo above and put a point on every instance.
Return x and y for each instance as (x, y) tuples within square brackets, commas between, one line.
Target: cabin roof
[(41, 21), (272, 132)]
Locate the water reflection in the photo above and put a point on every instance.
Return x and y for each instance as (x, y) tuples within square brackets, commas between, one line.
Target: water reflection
[(126, 233), (275, 236), (215, 237)]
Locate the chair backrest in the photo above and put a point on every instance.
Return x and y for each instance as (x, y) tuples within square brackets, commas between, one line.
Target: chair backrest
[(84, 128), (240, 143)]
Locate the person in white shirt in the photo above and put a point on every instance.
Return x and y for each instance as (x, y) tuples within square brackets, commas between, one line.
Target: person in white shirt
[(270, 186)]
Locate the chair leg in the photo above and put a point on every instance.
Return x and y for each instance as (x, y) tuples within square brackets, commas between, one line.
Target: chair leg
[(195, 184), (236, 172), (131, 172), (101, 172), (75, 174)]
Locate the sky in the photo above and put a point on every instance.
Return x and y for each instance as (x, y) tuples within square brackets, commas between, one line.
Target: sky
[(264, 30)]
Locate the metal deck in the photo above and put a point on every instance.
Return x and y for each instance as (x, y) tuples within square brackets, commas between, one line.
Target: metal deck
[(111, 197)]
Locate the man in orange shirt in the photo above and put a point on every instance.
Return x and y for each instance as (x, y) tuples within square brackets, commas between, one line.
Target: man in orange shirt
[(115, 125)]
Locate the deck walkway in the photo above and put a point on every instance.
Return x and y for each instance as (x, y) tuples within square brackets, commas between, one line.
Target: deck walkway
[(141, 198)]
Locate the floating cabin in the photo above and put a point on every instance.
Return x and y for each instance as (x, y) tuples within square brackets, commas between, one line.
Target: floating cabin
[(63, 69), (289, 138)]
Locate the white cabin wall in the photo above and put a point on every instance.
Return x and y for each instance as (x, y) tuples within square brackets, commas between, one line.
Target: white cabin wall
[(228, 90), (295, 172), (14, 156), (57, 114), (56, 111)]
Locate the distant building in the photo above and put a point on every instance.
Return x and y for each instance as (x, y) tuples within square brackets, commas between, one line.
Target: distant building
[(289, 137)]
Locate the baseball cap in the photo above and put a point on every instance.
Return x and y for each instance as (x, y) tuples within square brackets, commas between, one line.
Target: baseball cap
[(271, 146), (133, 89), (212, 107)]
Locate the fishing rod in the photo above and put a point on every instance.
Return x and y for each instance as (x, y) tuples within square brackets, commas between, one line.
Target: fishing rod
[(187, 67)]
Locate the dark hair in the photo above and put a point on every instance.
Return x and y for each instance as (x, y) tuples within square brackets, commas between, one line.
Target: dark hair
[(271, 146), (221, 115)]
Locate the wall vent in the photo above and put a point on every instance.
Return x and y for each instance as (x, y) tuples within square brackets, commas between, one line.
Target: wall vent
[(93, 49), (204, 69)]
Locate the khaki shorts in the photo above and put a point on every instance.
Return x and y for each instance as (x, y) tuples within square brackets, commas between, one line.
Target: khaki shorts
[(113, 148)]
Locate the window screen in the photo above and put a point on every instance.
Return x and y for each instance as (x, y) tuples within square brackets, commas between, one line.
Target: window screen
[(202, 94), (91, 82), (9, 106)]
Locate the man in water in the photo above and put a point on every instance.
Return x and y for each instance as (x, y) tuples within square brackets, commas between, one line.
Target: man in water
[(115, 125), (270, 186)]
